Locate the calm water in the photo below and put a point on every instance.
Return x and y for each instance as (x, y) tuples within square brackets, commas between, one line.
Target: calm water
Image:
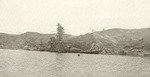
[(20, 63)]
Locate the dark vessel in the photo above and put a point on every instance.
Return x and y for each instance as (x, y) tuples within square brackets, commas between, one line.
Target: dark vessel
[(78, 54)]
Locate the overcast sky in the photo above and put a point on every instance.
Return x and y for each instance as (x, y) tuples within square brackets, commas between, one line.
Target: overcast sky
[(76, 16)]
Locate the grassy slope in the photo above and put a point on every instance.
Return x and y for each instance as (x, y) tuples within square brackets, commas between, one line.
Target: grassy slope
[(113, 39), (26, 39)]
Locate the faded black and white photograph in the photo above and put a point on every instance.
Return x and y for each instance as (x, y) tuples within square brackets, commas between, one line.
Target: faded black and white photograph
[(74, 38)]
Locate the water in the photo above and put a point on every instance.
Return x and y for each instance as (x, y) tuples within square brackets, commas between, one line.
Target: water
[(20, 63)]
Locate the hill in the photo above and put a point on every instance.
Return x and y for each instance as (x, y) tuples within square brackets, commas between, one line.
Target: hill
[(28, 40), (113, 41)]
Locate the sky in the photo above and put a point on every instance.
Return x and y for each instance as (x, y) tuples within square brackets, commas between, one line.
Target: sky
[(76, 16)]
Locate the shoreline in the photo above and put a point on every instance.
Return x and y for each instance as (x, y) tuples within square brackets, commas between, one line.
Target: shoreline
[(95, 53)]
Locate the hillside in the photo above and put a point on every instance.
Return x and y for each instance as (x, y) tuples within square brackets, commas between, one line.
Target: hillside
[(113, 41), (143, 44), (29, 40)]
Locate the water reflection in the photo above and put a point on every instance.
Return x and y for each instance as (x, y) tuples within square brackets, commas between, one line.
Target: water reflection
[(59, 67)]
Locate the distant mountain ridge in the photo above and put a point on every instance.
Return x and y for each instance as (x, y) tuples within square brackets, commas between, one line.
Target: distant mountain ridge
[(112, 41)]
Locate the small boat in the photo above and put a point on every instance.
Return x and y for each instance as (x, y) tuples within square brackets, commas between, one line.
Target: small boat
[(78, 54)]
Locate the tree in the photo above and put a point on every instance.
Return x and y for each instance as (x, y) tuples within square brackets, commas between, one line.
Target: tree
[(60, 44), (60, 32), (53, 43)]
